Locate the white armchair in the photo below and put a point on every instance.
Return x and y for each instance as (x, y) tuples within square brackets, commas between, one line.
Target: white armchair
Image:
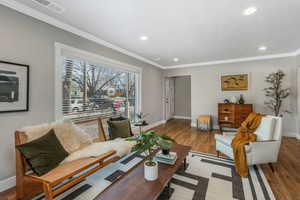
[(264, 150)]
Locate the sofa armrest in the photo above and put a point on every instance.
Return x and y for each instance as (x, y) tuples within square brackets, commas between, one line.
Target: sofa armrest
[(264, 151)]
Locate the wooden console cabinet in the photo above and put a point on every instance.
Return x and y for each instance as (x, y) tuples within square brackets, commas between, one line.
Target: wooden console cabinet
[(232, 115)]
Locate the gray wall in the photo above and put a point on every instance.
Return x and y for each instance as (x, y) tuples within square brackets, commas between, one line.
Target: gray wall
[(298, 94), (29, 41), (182, 96), (206, 92)]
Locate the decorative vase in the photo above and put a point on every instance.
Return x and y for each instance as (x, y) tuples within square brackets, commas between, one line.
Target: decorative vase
[(150, 172), (241, 100), (233, 99)]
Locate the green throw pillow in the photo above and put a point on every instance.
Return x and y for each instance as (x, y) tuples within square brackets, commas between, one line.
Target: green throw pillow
[(44, 153), (119, 129)]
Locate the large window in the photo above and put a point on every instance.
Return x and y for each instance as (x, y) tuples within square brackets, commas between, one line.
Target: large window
[(91, 90)]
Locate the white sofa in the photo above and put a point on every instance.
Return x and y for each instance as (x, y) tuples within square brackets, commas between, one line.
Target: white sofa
[(264, 150)]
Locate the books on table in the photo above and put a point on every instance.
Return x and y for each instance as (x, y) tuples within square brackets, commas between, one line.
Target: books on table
[(167, 159)]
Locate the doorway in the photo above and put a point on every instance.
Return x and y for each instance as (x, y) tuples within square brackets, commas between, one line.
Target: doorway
[(178, 97), (169, 98)]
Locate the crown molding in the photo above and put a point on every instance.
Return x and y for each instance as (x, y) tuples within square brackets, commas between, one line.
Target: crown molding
[(237, 60), (52, 21)]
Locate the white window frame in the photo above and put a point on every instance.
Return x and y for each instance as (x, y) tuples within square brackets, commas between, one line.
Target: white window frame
[(62, 50)]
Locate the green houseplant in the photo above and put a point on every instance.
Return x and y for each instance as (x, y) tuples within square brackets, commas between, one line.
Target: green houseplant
[(146, 142), (275, 92)]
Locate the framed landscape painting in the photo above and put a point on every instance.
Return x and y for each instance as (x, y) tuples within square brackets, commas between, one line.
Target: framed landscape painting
[(234, 82), (14, 87)]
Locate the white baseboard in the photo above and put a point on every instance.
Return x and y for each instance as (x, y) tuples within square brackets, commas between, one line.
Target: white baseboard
[(154, 124), (7, 183), (136, 129), (181, 117), (290, 134)]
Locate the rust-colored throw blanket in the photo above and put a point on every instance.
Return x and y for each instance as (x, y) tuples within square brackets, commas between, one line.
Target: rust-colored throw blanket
[(244, 136)]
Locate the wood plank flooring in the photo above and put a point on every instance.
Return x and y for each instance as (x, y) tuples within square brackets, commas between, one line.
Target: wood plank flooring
[(285, 181)]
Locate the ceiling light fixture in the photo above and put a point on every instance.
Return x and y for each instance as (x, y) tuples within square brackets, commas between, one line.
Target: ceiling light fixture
[(249, 11), (144, 37), (176, 59), (262, 48)]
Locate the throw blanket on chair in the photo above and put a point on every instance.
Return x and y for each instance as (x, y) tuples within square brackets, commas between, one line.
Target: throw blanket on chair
[(243, 137)]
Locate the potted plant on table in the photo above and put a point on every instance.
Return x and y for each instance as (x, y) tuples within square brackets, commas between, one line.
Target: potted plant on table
[(148, 142)]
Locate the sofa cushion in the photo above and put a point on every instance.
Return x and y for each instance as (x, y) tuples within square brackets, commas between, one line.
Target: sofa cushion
[(117, 118), (121, 118), (225, 139), (44, 153), (265, 131), (119, 129)]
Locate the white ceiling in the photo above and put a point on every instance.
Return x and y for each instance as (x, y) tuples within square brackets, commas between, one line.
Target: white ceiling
[(192, 30)]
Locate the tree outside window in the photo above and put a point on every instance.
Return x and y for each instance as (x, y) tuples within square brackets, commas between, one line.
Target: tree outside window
[(90, 89)]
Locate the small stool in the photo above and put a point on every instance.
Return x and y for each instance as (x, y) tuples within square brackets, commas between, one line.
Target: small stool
[(204, 122)]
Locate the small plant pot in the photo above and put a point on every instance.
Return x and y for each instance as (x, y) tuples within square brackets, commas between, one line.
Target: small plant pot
[(150, 171), (166, 151)]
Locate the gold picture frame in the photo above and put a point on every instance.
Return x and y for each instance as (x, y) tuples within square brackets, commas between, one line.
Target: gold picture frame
[(234, 82)]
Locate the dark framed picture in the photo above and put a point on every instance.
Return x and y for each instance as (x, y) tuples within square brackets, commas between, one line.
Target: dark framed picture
[(14, 87)]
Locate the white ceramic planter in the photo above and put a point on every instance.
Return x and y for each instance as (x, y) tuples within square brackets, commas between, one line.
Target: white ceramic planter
[(151, 172)]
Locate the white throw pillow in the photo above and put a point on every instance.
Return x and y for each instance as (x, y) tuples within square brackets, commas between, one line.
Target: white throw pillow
[(70, 136), (265, 130)]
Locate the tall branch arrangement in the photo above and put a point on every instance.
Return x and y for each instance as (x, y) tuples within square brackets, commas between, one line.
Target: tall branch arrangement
[(275, 93)]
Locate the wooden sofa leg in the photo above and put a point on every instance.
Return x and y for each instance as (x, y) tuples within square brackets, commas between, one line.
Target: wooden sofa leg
[(272, 167), (218, 153), (48, 191)]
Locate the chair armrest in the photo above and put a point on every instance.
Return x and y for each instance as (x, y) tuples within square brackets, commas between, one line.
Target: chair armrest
[(264, 151)]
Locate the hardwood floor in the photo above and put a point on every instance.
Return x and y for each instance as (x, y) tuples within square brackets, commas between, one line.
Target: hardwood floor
[(285, 181)]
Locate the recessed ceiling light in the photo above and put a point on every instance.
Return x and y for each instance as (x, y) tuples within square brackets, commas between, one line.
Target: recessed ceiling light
[(262, 48), (176, 59), (249, 11), (144, 37)]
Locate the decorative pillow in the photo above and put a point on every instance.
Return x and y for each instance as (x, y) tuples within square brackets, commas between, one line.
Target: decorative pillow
[(118, 118), (118, 129), (121, 118), (69, 135), (44, 153), (265, 131)]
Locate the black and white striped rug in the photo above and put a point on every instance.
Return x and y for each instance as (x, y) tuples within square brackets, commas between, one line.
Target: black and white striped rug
[(211, 178), (207, 177)]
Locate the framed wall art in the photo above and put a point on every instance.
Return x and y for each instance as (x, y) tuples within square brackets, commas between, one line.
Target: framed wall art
[(14, 87), (234, 82)]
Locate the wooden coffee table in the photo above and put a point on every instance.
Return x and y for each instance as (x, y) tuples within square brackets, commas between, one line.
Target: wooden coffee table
[(133, 186)]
